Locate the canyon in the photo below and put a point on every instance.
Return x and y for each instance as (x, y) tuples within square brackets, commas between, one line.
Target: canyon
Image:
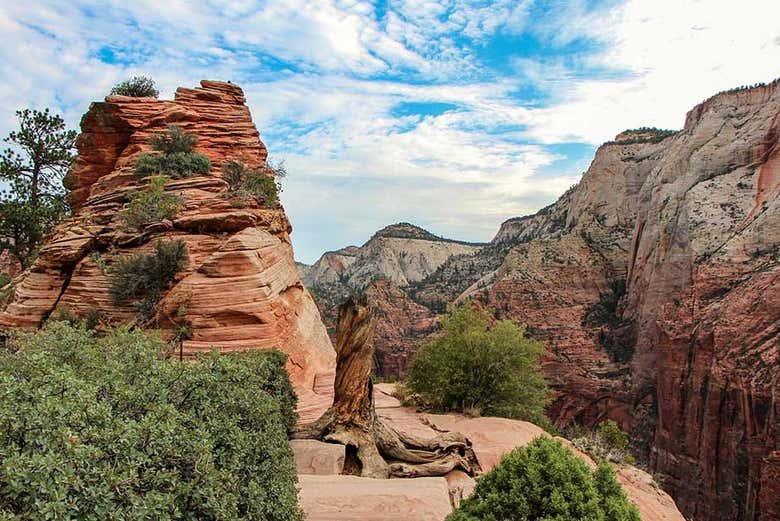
[(654, 284)]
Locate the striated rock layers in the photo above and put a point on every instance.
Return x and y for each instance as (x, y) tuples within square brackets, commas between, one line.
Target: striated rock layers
[(240, 288), (393, 260), (655, 283)]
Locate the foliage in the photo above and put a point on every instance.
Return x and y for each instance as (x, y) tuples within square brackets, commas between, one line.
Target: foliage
[(40, 153), (137, 87), (546, 481), (175, 156), (610, 443), (606, 314), (478, 365), (151, 205), (144, 276), (108, 428), (261, 184)]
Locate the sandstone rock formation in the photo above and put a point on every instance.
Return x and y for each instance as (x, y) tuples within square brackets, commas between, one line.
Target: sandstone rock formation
[(337, 497), (654, 283), (394, 259), (240, 289)]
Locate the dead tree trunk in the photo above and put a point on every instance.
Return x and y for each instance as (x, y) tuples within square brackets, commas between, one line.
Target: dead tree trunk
[(375, 449)]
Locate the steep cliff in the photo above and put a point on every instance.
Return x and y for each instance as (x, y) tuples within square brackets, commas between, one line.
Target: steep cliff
[(239, 289), (654, 283), (394, 258)]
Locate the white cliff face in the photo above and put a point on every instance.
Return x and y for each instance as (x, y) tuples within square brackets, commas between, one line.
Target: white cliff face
[(401, 253)]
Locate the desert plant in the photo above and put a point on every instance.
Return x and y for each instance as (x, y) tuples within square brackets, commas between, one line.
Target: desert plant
[(609, 443), (175, 156), (478, 365), (151, 205), (109, 428), (137, 87), (545, 480), (262, 184), (144, 276)]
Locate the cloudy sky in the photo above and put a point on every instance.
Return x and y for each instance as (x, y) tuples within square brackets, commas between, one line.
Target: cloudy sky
[(451, 114)]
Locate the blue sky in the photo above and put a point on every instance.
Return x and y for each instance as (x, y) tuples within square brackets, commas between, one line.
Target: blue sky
[(452, 114)]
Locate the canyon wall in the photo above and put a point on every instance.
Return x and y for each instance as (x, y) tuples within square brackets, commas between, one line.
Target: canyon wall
[(391, 261), (654, 283), (239, 290)]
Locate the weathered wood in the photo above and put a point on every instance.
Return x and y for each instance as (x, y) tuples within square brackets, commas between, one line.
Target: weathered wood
[(374, 448)]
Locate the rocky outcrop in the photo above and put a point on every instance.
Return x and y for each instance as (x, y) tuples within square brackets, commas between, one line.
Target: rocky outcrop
[(654, 284), (240, 288), (341, 497), (393, 260)]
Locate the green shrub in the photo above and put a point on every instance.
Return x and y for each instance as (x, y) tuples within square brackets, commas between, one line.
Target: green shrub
[(175, 156), (108, 428), (144, 276), (262, 184), (545, 480), (612, 435), (478, 366), (137, 87), (151, 205), (610, 443)]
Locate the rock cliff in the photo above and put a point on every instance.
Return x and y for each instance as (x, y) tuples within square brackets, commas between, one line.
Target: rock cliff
[(655, 283), (391, 261), (239, 290)]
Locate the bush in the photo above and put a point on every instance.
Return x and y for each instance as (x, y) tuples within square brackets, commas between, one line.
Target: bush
[(481, 367), (151, 205), (609, 444), (144, 276), (137, 87), (262, 184), (175, 156), (545, 480), (108, 428)]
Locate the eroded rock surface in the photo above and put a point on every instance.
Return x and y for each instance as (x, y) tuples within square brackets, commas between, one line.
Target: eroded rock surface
[(655, 283), (394, 259), (240, 289)]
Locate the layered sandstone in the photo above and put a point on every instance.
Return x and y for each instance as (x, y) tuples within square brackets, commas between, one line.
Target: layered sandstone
[(240, 289)]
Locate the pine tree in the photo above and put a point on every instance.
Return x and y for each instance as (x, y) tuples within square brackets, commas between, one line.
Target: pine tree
[(33, 166)]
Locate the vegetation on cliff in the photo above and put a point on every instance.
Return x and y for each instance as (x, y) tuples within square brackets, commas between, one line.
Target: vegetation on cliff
[(480, 366), (150, 206), (110, 428), (262, 184), (40, 154), (175, 156), (545, 480), (136, 87), (144, 276)]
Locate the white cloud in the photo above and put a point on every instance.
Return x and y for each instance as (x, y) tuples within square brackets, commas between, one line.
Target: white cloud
[(323, 85), (674, 54)]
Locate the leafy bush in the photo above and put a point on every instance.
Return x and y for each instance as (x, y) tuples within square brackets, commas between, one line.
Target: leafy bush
[(610, 443), (175, 156), (262, 184), (151, 205), (137, 87), (108, 428), (144, 276), (478, 366), (545, 480)]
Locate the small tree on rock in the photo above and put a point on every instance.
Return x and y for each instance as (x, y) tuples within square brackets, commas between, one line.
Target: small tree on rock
[(40, 154), (137, 87)]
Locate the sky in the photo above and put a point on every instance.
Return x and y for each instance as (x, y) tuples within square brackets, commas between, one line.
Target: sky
[(453, 114)]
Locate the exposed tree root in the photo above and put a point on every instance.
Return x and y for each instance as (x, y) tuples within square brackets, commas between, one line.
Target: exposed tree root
[(374, 448)]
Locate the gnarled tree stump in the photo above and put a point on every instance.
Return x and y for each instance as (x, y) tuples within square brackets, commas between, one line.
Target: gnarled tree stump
[(374, 448)]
